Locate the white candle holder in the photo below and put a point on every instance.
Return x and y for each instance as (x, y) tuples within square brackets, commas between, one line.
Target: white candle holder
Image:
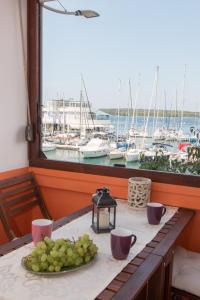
[(139, 190)]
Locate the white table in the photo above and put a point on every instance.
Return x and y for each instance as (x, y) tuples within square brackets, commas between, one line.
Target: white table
[(85, 284)]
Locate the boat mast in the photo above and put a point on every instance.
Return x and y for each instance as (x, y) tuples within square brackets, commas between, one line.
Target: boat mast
[(183, 100), (150, 102), (177, 114), (137, 98), (118, 109), (155, 114), (131, 102), (81, 100), (88, 102)]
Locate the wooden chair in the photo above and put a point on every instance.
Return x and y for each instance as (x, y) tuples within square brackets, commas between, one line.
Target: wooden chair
[(18, 194)]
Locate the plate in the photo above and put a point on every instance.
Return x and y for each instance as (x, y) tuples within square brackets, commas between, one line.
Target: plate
[(63, 271)]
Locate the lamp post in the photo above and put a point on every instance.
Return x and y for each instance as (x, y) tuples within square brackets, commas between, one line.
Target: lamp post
[(85, 13)]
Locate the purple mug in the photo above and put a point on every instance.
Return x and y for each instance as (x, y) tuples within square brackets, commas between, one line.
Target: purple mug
[(155, 211), (121, 241), (40, 229)]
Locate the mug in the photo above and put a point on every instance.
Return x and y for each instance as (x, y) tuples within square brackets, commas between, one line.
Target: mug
[(155, 211), (121, 242), (40, 229)]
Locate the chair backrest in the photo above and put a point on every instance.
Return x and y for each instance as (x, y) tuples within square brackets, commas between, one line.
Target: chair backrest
[(16, 195)]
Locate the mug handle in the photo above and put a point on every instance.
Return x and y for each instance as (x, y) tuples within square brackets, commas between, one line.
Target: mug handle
[(134, 240), (164, 211)]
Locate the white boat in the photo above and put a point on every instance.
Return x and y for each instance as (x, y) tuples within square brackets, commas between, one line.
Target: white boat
[(48, 147), (184, 138), (171, 136), (133, 155), (117, 153), (159, 134), (67, 147), (133, 132), (95, 148)]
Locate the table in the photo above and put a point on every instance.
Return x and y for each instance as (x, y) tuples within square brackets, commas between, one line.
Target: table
[(139, 278)]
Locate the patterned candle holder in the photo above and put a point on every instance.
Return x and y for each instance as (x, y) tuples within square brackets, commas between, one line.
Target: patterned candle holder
[(139, 190)]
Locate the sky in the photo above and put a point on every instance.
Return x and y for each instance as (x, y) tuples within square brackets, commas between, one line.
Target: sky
[(126, 43)]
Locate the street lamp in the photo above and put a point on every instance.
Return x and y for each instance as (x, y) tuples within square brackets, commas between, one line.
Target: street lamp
[(85, 13)]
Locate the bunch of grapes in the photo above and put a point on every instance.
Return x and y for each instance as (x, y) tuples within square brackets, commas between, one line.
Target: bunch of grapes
[(54, 256)]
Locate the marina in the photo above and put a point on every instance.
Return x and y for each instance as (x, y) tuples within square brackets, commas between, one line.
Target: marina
[(122, 153)]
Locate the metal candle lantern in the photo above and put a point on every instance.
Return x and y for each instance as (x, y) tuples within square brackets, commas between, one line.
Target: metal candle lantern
[(104, 211)]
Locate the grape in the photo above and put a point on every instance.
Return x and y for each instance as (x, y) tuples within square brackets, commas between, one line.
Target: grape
[(51, 268), (35, 268), (54, 253), (41, 245), (43, 257), (53, 256), (57, 268), (69, 252), (87, 258)]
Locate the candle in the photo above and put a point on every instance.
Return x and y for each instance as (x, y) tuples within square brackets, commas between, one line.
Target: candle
[(103, 219)]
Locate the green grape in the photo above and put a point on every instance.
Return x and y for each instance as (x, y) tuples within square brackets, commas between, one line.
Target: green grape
[(52, 256), (39, 251), (54, 253), (87, 258), (34, 252), (85, 246), (50, 259), (35, 268), (55, 263), (62, 249), (41, 245), (80, 251), (47, 240), (85, 237), (44, 266), (43, 257), (57, 268), (81, 260), (69, 252), (51, 268), (63, 259)]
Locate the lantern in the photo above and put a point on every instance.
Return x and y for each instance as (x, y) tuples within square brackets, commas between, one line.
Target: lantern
[(104, 211)]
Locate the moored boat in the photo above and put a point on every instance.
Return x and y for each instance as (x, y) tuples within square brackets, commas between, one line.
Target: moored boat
[(48, 147), (95, 148)]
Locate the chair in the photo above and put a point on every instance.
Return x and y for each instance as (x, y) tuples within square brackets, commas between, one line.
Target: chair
[(186, 275), (18, 194)]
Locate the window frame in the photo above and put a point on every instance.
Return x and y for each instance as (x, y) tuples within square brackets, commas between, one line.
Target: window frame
[(36, 157)]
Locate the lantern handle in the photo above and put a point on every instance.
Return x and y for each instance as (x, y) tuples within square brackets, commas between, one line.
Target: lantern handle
[(103, 190)]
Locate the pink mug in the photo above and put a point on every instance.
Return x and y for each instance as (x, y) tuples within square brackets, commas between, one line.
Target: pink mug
[(40, 229)]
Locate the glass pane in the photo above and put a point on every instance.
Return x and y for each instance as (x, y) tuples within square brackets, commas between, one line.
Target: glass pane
[(122, 89)]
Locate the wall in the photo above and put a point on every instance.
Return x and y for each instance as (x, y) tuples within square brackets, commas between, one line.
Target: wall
[(13, 150)]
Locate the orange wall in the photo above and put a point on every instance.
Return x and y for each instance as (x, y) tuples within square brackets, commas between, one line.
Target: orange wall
[(65, 192)]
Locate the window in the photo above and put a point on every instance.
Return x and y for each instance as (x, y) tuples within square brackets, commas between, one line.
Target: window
[(65, 117)]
